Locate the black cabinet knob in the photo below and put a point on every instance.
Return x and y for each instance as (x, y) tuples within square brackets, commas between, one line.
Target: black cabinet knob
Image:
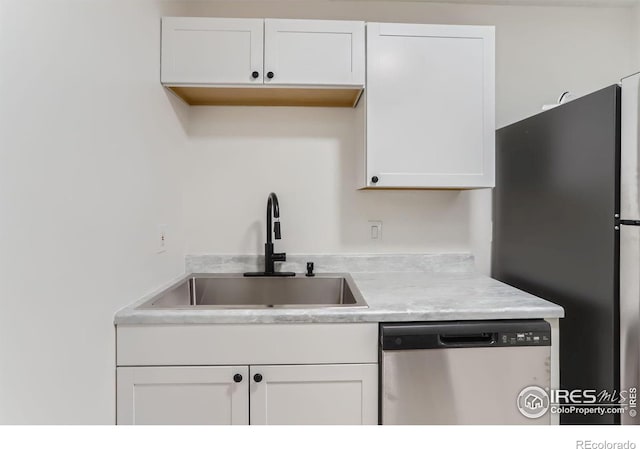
[(270, 75), (258, 377), (255, 75), (237, 378), (374, 179)]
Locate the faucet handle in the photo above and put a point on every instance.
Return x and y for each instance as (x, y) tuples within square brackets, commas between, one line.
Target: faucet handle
[(279, 257)]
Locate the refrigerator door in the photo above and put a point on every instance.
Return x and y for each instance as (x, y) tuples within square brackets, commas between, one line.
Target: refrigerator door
[(630, 241), (630, 155), (630, 315), (554, 231)]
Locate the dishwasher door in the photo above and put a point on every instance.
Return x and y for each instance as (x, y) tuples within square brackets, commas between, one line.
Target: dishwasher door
[(465, 373)]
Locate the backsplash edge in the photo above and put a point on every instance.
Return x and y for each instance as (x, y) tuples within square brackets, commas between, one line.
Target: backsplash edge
[(336, 263)]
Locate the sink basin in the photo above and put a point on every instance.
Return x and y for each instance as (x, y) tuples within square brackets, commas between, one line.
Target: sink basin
[(234, 291)]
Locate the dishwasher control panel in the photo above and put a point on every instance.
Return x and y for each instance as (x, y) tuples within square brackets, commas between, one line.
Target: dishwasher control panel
[(530, 338), (464, 334)]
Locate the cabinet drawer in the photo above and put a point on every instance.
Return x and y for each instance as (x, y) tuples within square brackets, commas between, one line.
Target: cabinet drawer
[(238, 344)]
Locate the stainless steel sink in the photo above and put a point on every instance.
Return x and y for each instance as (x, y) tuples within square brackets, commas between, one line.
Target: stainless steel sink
[(234, 291)]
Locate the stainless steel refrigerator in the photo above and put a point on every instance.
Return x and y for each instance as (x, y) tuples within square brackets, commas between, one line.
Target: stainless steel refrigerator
[(566, 227)]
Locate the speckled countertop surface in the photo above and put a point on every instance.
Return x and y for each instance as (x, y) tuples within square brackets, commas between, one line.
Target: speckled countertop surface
[(431, 287)]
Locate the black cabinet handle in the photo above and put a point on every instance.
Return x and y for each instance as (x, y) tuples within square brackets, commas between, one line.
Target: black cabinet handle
[(270, 75), (255, 75), (258, 377), (374, 179), (237, 378)]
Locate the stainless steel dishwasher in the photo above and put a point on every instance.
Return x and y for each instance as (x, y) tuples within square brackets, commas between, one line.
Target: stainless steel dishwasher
[(471, 372)]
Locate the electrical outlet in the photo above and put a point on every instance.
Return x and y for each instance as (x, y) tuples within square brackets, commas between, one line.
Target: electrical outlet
[(162, 237), (375, 229)]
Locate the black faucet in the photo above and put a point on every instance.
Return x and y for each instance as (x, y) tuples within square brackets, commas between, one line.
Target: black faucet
[(273, 211)]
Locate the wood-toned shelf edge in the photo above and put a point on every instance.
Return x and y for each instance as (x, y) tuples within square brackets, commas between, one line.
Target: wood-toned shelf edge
[(274, 96), (371, 188)]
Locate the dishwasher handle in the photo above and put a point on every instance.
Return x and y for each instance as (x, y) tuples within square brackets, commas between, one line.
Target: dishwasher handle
[(439, 341), (458, 340)]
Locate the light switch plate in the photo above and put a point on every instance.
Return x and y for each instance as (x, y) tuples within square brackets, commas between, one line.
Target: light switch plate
[(162, 238), (375, 229)]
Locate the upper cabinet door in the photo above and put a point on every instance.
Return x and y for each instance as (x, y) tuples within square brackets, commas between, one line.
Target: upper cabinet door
[(183, 395), (430, 106), (314, 394), (211, 50), (314, 52)]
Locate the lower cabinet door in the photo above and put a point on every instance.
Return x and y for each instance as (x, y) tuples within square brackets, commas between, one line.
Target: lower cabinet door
[(314, 394), (183, 395)]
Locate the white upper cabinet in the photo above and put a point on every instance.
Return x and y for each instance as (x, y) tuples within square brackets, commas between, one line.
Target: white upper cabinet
[(216, 52), (314, 52), (430, 107), (211, 50)]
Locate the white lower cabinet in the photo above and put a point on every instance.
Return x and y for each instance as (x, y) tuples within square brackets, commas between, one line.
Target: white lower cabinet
[(183, 395), (302, 373), (262, 394), (314, 394)]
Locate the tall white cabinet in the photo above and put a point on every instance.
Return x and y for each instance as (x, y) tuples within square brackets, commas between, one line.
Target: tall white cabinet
[(430, 108)]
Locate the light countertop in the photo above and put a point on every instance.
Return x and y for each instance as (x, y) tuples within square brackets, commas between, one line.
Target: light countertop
[(440, 287)]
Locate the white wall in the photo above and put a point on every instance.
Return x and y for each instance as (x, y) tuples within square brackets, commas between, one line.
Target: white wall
[(237, 155), (91, 154), (635, 48)]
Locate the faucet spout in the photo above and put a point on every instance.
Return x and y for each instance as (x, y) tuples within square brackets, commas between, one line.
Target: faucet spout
[(273, 202), (273, 211)]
